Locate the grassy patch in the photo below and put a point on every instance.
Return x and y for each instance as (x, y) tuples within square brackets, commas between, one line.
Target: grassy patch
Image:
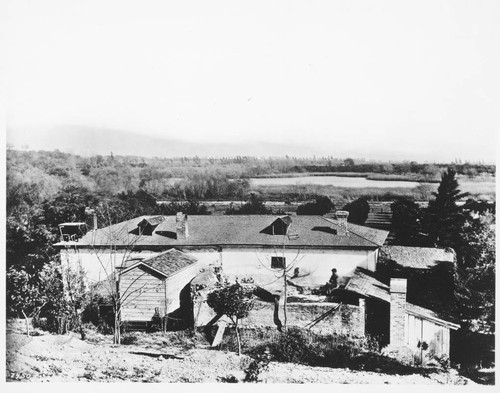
[(339, 195)]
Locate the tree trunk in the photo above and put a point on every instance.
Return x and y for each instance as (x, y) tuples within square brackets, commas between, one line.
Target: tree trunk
[(238, 338), (26, 320), (79, 322), (117, 338), (284, 305)]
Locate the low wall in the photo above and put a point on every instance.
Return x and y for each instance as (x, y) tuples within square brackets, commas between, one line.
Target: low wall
[(348, 319)]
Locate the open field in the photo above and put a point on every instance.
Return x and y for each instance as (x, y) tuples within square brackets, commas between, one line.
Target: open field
[(280, 189), (337, 181), (412, 177)]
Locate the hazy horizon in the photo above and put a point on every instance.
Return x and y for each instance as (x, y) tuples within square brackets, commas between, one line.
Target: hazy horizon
[(387, 80), (148, 147)]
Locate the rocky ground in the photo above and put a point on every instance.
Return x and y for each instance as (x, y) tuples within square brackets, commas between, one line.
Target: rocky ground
[(66, 358)]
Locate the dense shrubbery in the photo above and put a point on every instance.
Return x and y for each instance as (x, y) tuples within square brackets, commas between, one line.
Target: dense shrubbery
[(358, 210), (303, 346), (254, 205), (320, 206), (469, 230)]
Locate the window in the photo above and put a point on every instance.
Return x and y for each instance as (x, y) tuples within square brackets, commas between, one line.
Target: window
[(278, 262)]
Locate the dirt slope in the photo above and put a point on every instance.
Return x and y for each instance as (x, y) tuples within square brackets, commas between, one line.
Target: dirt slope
[(66, 358)]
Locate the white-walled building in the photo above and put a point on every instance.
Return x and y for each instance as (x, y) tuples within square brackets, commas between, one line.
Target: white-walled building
[(245, 247), (160, 256)]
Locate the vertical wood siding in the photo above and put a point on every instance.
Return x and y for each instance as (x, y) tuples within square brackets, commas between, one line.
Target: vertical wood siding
[(142, 291), (436, 336)]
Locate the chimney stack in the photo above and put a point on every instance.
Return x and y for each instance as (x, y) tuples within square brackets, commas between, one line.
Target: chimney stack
[(181, 227), (94, 214), (342, 222), (398, 315)]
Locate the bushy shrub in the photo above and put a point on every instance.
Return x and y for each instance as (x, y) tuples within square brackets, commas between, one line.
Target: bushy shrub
[(99, 312), (295, 346), (303, 346), (358, 210), (257, 366), (228, 379), (186, 339), (320, 206), (105, 326), (300, 346), (58, 322), (156, 323), (129, 339)]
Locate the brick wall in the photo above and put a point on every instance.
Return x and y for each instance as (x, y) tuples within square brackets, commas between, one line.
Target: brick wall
[(398, 313)]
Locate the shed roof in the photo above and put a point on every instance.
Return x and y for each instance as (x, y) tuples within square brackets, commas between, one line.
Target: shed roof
[(368, 286), (417, 257), (432, 316), (244, 230)]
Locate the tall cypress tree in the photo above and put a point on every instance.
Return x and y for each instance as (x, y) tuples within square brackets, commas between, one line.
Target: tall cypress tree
[(406, 222), (443, 216)]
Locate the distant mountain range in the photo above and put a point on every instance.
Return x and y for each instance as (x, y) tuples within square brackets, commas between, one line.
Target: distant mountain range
[(87, 141)]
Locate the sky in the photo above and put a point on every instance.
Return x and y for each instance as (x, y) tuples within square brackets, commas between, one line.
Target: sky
[(374, 79)]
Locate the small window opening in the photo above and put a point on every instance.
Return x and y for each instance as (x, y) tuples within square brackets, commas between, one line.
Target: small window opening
[(278, 262)]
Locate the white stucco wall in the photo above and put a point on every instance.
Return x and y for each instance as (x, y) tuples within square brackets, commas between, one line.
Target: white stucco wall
[(99, 264), (315, 265), (176, 283)]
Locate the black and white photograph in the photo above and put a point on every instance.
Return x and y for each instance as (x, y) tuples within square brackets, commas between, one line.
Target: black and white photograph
[(252, 192)]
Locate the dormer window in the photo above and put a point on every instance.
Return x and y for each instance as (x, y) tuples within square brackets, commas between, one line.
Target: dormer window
[(148, 225), (279, 226)]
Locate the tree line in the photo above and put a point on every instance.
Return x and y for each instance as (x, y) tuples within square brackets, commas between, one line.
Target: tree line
[(467, 228), (45, 189)]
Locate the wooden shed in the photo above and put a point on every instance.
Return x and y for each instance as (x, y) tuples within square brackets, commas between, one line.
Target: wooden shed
[(155, 284), (427, 332)]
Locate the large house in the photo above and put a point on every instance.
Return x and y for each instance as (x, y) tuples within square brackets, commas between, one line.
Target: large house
[(167, 264)]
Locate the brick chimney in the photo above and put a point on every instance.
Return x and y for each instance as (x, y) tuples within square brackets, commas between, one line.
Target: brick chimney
[(341, 216), (181, 226), (397, 315)]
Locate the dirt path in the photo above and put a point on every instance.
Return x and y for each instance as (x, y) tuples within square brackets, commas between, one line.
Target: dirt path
[(57, 358)]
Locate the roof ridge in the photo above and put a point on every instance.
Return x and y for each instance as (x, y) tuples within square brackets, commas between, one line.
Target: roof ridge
[(133, 266), (170, 250)]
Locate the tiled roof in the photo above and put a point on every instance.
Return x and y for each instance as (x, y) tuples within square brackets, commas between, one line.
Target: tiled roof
[(168, 263), (417, 257), (312, 231)]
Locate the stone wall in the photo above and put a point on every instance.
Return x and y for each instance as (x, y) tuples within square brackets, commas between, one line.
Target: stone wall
[(348, 319)]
